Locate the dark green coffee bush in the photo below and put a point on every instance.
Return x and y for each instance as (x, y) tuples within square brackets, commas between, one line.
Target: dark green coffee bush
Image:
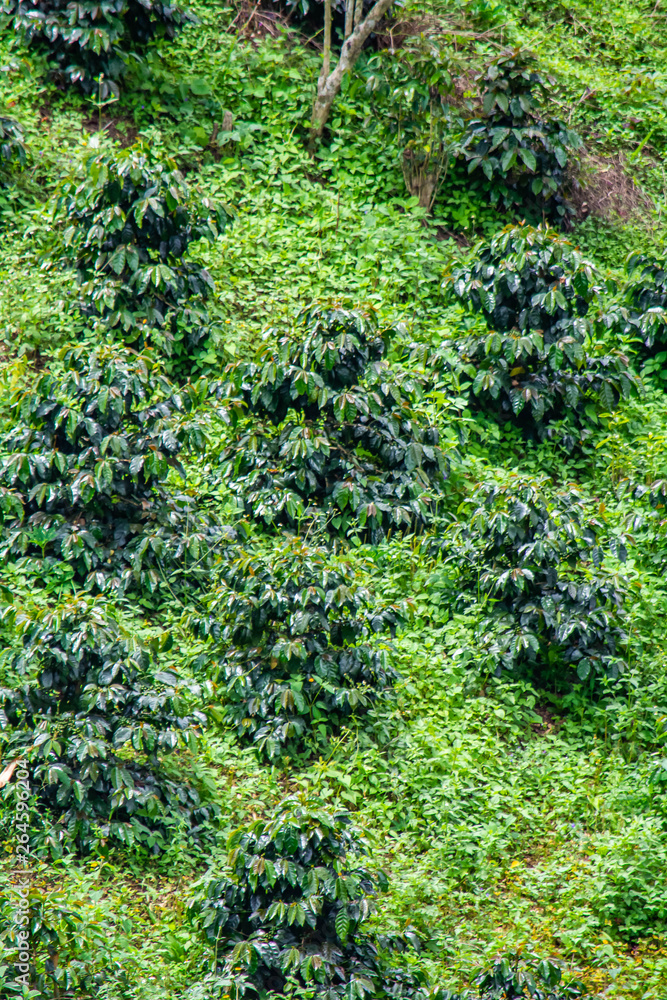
[(532, 555), (522, 152), (85, 459), (94, 717), (640, 312), (334, 437), (90, 41), (538, 361), (131, 220), (297, 662), (292, 902), (645, 298)]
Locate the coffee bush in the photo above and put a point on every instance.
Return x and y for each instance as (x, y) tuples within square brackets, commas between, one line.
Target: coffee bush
[(94, 718), (85, 459), (337, 439), (89, 42)]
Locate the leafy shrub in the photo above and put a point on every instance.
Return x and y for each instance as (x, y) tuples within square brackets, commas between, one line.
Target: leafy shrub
[(485, 13), (132, 219), (409, 89), (646, 298), (629, 891), (292, 903), (93, 719), (12, 159), (86, 456), (39, 316), (70, 935), (89, 41), (12, 148), (336, 437), (510, 979), (294, 625), (642, 310), (534, 290), (523, 155), (533, 552)]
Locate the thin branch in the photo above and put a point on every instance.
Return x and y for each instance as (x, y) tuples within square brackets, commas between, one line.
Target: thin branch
[(349, 17), (329, 86), (326, 55)]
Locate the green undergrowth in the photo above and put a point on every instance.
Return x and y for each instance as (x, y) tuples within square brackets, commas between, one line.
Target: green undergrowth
[(514, 811)]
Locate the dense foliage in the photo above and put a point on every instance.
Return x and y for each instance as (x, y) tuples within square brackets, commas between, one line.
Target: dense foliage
[(337, 438), (522, 152), (94, 718), (85, 459), (90, 41), (631, 896), (513, 980), (70, 932), (12, 148), (296, 660), (357, 566), (293, 903), (535, 554), (131, 218), (643, 309), (535, 292)]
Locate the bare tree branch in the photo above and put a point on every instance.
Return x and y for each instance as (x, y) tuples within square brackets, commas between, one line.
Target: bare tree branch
[(328, 87), (358, 11), (349, 17), (326, 55)]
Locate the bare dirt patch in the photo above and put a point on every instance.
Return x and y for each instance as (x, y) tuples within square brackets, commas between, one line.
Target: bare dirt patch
[(602, 186), (255, 22), (550, 723), (118, 129)]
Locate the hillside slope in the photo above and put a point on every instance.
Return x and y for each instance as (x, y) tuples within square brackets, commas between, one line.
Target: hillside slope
[(510, 776)]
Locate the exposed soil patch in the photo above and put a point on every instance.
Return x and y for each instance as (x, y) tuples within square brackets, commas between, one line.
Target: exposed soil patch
[(603, 187), (550, 722), (118, 129), (255, 22)]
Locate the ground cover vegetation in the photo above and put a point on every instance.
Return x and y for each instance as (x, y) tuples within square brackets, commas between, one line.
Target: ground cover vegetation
[(332, 405)]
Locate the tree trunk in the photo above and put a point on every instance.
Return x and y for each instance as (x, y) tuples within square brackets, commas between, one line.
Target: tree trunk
[(328, 86), (326, 54), (349, 17)]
